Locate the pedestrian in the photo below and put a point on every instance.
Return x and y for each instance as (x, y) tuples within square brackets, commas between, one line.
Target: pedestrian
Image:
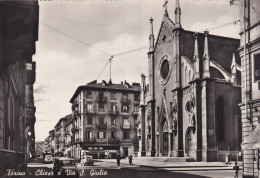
[(118, 160), (236, 169), (130, 159)]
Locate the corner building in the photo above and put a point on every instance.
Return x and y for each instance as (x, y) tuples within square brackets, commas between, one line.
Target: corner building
[(104, 119), (190, 107)]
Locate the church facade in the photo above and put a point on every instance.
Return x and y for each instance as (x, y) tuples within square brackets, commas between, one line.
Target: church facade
[(189, 108)]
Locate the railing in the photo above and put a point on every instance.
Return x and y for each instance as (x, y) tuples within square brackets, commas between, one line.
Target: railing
[(113, 140), (113, 126), (90, 111), (90, 140), (128, 140), (135, 113), (125, 101), (102, 99), (101, 126), (114, 113)]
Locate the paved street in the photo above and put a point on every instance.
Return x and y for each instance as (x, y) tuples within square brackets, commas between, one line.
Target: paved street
[(108, 168)]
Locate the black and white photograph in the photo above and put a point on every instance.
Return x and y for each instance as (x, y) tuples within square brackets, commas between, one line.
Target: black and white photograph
[(130, 88)]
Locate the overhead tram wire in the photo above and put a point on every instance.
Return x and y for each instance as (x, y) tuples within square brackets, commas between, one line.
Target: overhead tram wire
[(223, 25), (96, 24), (126, 52), (82, 42)]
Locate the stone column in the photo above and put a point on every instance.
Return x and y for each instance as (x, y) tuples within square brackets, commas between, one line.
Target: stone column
[(143, 151), (169, 144)]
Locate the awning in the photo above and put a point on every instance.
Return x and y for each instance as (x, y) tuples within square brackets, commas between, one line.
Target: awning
[(253, 140)]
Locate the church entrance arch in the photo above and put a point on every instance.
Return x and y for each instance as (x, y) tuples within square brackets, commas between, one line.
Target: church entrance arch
[(165, 146)]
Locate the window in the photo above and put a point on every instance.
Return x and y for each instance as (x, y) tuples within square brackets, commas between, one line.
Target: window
[(135, 109), (257, 67), (101, 121), (89, 135), (126, 135), (101, 107), (126, 123), (124, 108), (113, 135), (136, 97), (89, 121), (124, 96), (28, 66), (89, 94), (100, 95), (101, 134), (112, 96), (90, 107), (113, 121)]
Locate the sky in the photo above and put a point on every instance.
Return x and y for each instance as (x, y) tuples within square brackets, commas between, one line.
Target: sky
[(77, 38)]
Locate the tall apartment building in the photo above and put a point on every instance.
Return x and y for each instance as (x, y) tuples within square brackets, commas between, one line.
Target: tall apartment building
[(105, 118), (249, 52), (18, 35), (59, 136)]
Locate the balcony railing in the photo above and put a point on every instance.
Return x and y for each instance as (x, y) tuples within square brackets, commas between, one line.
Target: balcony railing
[(114, 112), (125, 101), (78, 140), (135, 113), (90, 111), (90, 140), (101, 126), (113, 140), (113, 126), (102, 99), (127, 140)]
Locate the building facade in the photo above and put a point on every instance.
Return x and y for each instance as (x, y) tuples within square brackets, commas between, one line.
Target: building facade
[(190, 107), (18, 35), (59, 136), (104, 119), (249, 52)]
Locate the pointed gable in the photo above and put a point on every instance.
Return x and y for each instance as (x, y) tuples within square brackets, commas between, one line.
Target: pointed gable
[(166, 30)]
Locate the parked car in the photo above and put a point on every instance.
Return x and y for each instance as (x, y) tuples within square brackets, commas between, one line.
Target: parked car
[(65, 167), (87, 160), (47, 158)]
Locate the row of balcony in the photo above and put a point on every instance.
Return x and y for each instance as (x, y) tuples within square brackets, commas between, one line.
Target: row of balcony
[(111, 141), (111, 112), (103, 99)]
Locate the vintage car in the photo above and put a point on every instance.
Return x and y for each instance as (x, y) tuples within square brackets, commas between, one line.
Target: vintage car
[(87, 160), (65, 167), (47, 158)]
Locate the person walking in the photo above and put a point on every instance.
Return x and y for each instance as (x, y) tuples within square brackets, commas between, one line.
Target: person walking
[(236, 169), (130, 157), (118, 160)]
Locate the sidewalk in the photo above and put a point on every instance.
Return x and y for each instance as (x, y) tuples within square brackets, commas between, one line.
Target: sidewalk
[(163, 164)]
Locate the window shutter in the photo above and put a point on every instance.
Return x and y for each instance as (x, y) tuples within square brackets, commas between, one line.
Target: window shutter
[(104, 134), (98, 134)]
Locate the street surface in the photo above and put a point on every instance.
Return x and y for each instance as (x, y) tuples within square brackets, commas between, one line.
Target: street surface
[(109, 169)]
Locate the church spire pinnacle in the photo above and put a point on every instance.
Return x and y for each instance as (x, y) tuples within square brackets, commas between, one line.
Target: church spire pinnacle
[(143, 90), (151, 37), (177, 14), (165, 8), (196, 58), (206, 56)]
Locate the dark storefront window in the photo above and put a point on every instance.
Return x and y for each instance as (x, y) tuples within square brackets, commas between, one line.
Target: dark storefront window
[(257, 67)]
